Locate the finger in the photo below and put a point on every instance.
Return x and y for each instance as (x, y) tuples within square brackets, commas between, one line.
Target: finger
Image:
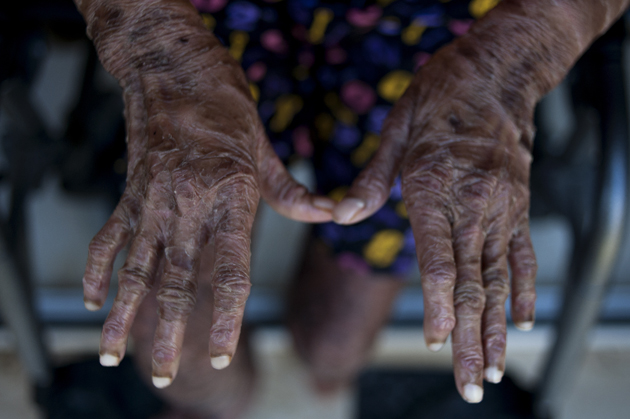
[(371, 188), (496, 286), (434, 248), (284, 194), (230, 278), (523, 263), (101, 256), (469, 302), (176, 298), (135, 280)]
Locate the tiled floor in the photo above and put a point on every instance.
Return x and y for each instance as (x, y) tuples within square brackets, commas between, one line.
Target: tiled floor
[(600, 391)]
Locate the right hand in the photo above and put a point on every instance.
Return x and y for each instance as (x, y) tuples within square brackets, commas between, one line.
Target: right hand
[(198, 162)]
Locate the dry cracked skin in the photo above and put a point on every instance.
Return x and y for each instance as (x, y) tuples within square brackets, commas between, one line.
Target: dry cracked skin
[(461, 137)]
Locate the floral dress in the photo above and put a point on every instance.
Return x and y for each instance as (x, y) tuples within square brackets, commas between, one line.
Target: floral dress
[(325, 74)]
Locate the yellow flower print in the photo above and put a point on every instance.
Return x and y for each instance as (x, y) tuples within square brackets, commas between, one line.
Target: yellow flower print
[(383, 248), (286, 108), (479, 8), (393, 85), (338, 193), (238, 42)]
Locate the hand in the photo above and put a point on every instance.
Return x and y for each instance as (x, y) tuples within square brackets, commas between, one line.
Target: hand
[(198, 160), (463, 141), (462, 133)]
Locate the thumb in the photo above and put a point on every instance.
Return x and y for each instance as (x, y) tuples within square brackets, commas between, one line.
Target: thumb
[(371, 188), (284, 194)]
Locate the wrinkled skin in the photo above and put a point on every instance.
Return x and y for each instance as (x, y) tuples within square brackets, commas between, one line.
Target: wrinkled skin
[(198, 162), (462, 136)]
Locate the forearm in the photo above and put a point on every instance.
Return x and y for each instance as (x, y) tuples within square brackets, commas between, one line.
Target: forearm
[(147, 36), (528, 46)]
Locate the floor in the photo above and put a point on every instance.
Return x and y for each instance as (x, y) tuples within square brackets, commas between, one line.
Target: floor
[(600, 390)]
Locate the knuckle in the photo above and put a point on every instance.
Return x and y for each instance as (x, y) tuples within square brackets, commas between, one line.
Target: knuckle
[(134, 279), (375, 184), (92, 284), (234, 177), (474, 191), (289, 191), (100, 246), (496, 282), (495, 341), (469, 297), (526, 267), (442, 324), (468, 261), (177, 298), (471, 359), (181, 259), (237, 220), (231, 289), (164, 353), (525, 302), (224, 334), (423, 174), (465, 242), (439, 273), (114, 329), (186, 192)]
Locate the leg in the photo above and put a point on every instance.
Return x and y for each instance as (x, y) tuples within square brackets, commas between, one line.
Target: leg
[(335, 314)]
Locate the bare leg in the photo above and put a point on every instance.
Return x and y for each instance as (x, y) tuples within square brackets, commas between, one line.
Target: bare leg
[(335, 315), (198, 391)]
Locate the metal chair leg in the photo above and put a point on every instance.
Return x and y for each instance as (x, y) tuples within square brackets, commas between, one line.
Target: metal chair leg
[(596, 251)]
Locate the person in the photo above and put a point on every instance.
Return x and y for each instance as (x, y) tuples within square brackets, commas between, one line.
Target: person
[(334, 81)]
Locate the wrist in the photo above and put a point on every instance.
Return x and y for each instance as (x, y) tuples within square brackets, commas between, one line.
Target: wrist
[(136, 38), (526, 47)]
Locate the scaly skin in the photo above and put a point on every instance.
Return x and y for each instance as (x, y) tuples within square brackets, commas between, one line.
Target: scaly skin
[(462, 134), (198, 161)]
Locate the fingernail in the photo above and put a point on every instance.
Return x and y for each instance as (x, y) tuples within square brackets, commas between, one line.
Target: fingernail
[(109, 360), (347, 209), (322, 203), (92, 306), (493, 375), (435, 347), (473, 393), (220, 362), (524, 326), (161, 382)]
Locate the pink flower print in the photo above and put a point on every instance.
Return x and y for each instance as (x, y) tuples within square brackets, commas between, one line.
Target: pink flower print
[(459, 27), (336, 55), (302, 142), (358, 96), (256, 71), (209, 6), (273, 41), (364, 18)]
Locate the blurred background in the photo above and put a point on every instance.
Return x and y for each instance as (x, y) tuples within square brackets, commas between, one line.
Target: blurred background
[(62, 170)]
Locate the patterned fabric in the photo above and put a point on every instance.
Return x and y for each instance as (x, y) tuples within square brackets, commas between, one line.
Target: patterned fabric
[(325, 74)]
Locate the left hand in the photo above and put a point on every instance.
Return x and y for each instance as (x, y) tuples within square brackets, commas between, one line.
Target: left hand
[(463, 143)]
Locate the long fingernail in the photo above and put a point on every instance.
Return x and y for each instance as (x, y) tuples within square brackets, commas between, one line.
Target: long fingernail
[(435, 347), (524, 326), (347, 209), (220, 362), (323, 203), (161, 382), (92, 306), (109, 360), (493, 375), (473, 393)]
